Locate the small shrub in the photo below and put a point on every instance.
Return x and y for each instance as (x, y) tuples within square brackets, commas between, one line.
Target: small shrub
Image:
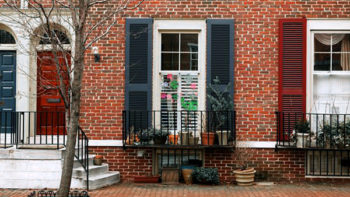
[(206, 176)]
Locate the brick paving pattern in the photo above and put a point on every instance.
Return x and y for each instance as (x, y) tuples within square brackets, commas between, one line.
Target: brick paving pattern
[(158, 190)]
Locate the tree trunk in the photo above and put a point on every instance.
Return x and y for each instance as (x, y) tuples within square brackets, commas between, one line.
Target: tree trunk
[(66, 176)]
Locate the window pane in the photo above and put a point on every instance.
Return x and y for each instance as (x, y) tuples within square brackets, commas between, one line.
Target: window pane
[(189, 42), (336, 62), (322, 62), (170, 61), (170, 42), (6, 38), (341, 61), (322, 42), (188, 62), (342, 43)]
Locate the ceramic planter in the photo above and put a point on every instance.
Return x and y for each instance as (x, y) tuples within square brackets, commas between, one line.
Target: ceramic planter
[(160, 140), (183, 138), (97, 160), (208, 138), (245, 177), (223, 137), (302, 140), (187, 175), (193, 140)]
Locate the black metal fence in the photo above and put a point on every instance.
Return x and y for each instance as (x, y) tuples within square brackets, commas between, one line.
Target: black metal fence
[(313, 130), (24, 129), (179, 128), (327, 162)]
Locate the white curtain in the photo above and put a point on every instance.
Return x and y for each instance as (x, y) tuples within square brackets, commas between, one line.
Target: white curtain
[(345, 46), (326, 38)]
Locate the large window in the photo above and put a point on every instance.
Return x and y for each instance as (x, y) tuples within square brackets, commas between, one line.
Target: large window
[(331, 71), (179, 80)]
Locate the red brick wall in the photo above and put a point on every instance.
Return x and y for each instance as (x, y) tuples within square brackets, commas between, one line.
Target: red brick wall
[(256, 80)]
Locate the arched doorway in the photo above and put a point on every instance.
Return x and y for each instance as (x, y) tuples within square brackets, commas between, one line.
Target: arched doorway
[(50, 104)]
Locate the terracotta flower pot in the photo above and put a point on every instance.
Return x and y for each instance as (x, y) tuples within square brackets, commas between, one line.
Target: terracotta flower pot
[(97, 160), (245, 177), (173, 139), (208, 138), (187, 175)]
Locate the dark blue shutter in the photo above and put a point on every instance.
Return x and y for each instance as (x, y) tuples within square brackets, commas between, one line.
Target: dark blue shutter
[(220, 52), (138, 71)]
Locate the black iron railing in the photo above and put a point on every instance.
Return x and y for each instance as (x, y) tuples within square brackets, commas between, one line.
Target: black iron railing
[(313, 130), (41, 129), (327, 162), (179, 128), (82, 153)]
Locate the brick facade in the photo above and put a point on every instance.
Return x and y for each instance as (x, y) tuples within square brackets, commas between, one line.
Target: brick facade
[(256, 81)]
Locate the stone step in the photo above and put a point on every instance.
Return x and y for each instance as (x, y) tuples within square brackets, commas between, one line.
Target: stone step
[(77, 163), (103, 180), (93, 170)]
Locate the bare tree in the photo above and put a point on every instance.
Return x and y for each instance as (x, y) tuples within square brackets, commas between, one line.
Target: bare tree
[(41, 22)]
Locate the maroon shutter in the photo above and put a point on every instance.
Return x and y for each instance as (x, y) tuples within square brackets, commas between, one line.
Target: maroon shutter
[(292, 70)]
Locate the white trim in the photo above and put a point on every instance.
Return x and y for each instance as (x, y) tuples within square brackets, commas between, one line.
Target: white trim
[(255, 144), (118, 143), (327, 177), (240, 144), (319, 25)]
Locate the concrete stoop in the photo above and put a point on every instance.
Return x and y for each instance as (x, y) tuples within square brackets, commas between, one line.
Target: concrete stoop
[(41, 168), (99, 176)]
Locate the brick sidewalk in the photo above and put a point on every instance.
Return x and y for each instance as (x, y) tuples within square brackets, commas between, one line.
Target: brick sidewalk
[(158, 190)]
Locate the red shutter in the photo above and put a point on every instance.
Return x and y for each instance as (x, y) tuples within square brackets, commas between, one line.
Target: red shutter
[(292, 69)]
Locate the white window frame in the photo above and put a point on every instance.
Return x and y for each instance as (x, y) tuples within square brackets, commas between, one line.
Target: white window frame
[(179, 26), (320, 26)]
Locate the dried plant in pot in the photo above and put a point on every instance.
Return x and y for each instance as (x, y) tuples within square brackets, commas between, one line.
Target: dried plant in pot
[(244, 175), (221, 104)]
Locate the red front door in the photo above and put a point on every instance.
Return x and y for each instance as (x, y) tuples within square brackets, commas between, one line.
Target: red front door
[(50, 105)]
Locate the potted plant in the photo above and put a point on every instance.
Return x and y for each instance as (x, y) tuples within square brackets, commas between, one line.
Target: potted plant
[(98, 160), (187, 171), (333, 135), (206, 176), (159, 136), (302, 131), (221, 104), (244, 175), (145, 136)]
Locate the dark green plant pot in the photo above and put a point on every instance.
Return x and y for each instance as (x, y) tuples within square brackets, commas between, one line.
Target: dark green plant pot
[(160, 140)]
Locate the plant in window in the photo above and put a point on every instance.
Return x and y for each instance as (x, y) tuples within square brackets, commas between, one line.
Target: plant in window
[(221, 104)]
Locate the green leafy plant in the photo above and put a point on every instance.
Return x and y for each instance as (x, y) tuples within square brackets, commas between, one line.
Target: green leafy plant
[(220, 101), (302, 126), (335, 134), (206, 176)]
